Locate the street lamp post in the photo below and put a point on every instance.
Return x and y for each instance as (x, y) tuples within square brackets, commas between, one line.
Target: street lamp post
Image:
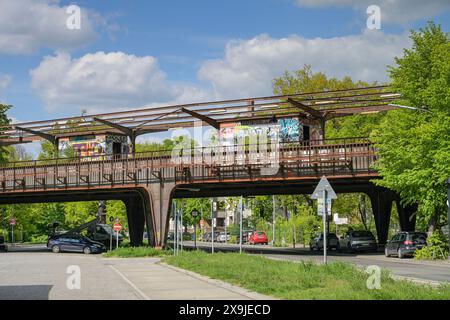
[(273, 221), (447, 182), (194, 214)]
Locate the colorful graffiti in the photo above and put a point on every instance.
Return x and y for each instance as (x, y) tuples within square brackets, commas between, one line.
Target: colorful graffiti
[(290, 130)]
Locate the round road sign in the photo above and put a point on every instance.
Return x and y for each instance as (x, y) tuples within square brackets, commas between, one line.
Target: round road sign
[(117, 227)]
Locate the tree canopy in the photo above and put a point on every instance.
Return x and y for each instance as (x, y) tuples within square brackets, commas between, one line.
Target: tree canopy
[(414, 145)]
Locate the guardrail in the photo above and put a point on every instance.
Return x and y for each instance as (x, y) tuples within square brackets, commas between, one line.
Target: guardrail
[(349, 156)]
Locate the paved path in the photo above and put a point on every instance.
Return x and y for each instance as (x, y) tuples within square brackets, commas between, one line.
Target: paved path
[(43, 275), (434, 271)]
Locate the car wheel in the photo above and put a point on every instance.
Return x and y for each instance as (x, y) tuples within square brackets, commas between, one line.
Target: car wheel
[(56, 249), (400, 254), (386, 254), (87, 250)]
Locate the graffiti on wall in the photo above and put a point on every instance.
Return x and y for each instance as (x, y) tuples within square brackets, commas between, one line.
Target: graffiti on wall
[(290, 130), (93, 145)]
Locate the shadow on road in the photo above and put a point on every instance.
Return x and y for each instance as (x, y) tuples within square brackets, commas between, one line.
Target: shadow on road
[(25, 292), (32, 248)]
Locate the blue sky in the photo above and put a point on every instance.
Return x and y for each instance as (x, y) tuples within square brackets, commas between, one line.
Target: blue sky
[(186, 51)]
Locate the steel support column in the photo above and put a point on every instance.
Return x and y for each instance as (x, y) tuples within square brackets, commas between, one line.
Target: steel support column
[(381, 200)]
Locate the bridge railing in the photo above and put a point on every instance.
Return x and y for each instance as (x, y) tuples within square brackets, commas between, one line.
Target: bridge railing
[(305, 158)]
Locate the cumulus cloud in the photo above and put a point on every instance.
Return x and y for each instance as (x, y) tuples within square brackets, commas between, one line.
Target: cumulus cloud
[(392, 11), (28, 25), (110, 81), (104, 81), (5, 80), (249, 66)]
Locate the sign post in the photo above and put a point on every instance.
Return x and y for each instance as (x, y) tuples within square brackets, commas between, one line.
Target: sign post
[(12, 223), (324, 193), (241, 209), (213, 220), (194, 214), (448, 211), (117, 228), (111, 220)]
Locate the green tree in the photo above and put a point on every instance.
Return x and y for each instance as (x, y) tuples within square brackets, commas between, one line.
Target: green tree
[(413, 145), (4, 120)]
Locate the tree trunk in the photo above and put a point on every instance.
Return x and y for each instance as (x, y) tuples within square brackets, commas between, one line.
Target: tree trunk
[(362, 210), (432, 223)]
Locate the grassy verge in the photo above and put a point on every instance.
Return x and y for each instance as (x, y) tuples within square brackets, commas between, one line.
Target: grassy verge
[(134, 252), (307, 280)]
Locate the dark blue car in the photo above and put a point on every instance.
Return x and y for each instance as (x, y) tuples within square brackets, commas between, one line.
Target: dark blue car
[(74, 243)]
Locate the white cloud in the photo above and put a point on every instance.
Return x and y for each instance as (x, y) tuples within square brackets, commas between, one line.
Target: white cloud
[(104, 81), (5, 80), (28, 25), (392, 11), (249, 66)]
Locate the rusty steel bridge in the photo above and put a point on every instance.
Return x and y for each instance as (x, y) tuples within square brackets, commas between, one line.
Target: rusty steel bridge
[(148, 181)]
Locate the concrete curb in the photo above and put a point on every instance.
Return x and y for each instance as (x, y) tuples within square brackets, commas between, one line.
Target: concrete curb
[(417, 280), (233, 288)]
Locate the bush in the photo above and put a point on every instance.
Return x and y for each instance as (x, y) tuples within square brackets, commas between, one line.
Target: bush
[(436, 248), (39, 239)]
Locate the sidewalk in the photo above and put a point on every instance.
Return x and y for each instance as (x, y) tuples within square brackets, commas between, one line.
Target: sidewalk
[(151, 280)]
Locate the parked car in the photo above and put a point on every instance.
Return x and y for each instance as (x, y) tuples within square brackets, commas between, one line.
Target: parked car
[(206, 237), (258, 237), (405, 244), (74, 243), (3, 246), (246, 234), (223, 237), (361, 240), (317, 242)]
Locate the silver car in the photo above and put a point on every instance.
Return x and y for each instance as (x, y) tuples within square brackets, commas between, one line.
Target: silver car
[(361, 240), (222, 237), (317, 242)]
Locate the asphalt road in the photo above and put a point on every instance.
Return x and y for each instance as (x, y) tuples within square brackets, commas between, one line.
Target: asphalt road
[(34, 273), (429, 271)]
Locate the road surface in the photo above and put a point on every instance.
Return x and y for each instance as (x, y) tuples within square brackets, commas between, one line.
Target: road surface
[(35, 273)]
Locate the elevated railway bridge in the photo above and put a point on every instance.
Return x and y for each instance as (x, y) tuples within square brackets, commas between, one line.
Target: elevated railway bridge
[(148, 181)]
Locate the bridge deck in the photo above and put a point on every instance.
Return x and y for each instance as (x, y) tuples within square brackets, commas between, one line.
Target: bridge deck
[(344, 158)]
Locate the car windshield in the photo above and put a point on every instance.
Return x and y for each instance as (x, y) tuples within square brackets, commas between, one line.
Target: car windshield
[(260, 233), (360, 234)]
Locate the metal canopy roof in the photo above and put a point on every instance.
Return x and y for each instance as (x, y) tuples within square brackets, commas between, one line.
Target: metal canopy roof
[(313, 106)]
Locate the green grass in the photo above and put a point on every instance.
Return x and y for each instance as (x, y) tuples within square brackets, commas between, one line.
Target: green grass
[(306, 280), (134, 252)]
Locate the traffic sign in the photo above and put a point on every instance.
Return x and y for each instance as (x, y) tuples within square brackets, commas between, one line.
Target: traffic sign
[(320, 207), (324, 193), (323, 185), (12, 222), (117, 227)]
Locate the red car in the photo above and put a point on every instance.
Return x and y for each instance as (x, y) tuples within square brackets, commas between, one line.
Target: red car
[(258, 237)]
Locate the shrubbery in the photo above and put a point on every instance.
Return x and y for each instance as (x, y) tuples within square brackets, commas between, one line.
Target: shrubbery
[(437, 248)]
